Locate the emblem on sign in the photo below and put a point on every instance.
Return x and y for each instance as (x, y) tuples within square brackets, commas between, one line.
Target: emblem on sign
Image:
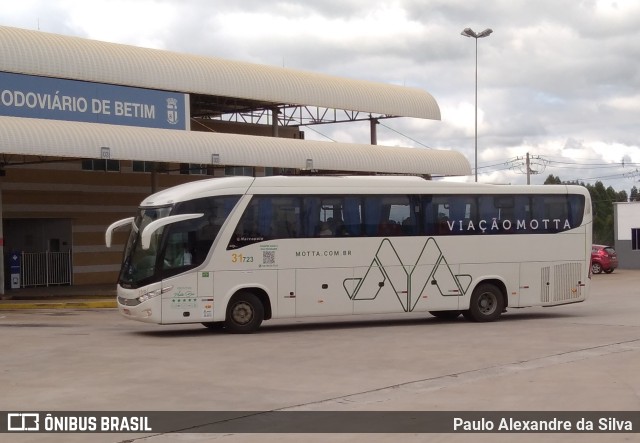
[(172, 111)]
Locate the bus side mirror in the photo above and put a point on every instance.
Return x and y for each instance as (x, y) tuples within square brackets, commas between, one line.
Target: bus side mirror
[(152, 227), (113, 226)]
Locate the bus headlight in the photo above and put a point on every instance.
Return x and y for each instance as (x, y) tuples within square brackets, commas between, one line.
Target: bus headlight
[(149, 295)]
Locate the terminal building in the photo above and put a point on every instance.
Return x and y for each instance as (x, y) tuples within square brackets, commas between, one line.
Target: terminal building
[(626, 219), (88, 129)]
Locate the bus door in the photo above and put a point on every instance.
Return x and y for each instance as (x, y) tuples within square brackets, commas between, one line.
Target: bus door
[(180, 285)]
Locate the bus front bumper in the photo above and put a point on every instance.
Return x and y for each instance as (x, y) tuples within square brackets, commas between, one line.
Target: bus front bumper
[(148, 311)]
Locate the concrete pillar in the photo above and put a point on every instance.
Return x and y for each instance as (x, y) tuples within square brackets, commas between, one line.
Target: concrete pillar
[(1, 243), (374, 131), (274, 121)]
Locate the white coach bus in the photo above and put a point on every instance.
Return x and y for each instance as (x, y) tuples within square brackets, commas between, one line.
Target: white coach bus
[(232, 252)]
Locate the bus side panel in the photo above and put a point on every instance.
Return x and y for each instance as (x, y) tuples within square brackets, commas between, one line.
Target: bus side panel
[(322, 292), (180, 304), (380, 289), (384, 285), (509, 275), (205, 295), (534, 276), (434, 287), (554, 283), (228, 283), (286, 294)]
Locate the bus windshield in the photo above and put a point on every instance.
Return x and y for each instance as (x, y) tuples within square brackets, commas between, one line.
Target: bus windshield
[(139, 264), (176, 247)]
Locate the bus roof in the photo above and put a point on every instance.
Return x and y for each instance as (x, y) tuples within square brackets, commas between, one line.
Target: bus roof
[(198, 189), (340, 185)]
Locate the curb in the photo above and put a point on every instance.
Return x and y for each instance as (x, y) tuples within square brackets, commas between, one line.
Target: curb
[(58, 304)]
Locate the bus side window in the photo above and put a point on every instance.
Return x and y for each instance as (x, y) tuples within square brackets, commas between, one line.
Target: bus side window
[(189, 241), (247, 229), (372, 211), (311, 215), (401, 215), (409, 226), (352, 216), (286, 217), (449, 214), (522, 208), (428, 218), (555, 211), (576, 209), (441, 215), (505, 205), (331, 215), (384, 215), (268, 217)]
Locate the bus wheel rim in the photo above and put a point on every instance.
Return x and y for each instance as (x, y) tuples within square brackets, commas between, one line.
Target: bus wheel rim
[(487, 303), (242, 313)]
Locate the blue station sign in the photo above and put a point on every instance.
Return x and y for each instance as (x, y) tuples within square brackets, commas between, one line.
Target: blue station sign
[(72, 100)]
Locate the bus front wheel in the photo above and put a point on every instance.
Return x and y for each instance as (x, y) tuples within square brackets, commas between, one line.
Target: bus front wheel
[(487, 303), (244, 313)]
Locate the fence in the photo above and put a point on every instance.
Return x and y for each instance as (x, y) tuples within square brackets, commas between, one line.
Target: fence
[(45, 269)]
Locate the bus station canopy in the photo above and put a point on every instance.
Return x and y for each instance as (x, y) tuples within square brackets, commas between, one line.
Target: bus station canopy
[(217, 86), (63, 139)]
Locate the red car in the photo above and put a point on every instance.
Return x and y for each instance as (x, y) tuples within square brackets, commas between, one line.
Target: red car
[(603, 258)]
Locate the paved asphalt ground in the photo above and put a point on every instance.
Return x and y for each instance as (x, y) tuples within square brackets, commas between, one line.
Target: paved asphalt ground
[(583, 357)]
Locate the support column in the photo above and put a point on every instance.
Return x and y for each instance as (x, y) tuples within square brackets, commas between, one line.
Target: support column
[(274, 121), (154, 177), (374, 133), (1, 243)]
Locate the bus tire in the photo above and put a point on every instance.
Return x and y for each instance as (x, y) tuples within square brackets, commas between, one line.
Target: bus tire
[(445, 315), (487, 303), (244, 313)]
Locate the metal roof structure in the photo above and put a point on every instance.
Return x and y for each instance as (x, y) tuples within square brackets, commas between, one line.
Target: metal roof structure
[(217, 87), (63, 139)]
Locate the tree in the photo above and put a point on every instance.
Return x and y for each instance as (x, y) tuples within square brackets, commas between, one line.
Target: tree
[(552, 180), (602, 200)]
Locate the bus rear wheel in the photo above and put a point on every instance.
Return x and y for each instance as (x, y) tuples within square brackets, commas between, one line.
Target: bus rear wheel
[(244, 313), (487, 303)]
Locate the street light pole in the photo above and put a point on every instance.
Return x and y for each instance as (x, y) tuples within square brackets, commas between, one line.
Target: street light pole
[(468, 32)]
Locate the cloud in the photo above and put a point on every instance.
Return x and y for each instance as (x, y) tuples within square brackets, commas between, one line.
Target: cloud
[(557, 78)]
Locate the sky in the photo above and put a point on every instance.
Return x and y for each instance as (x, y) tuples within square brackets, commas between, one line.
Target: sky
[(558, 79)]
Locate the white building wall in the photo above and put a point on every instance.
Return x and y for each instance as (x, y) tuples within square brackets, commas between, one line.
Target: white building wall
[(626, 217)]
